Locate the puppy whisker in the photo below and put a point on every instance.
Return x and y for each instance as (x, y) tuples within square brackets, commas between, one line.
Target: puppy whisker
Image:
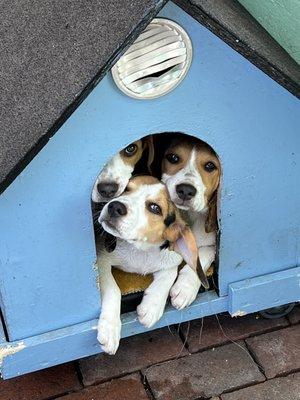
[(185, 340), (233, 341), (201, 331)]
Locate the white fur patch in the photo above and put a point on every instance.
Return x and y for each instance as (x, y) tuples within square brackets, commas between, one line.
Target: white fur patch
[(186, 288), (188, 175), (129, 226), (114, 171)]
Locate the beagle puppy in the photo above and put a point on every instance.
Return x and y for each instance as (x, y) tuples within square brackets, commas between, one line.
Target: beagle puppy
[(115, 175), (191, 171), (151, 237)]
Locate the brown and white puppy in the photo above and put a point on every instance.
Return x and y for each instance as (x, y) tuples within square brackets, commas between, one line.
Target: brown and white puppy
[(151, 237), (191, 171), (115, 175)]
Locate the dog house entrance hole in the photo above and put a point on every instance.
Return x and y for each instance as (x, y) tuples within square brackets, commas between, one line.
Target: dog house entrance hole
[(167, 157)]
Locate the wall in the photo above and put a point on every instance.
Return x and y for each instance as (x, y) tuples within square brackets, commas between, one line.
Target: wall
[(281, 18)]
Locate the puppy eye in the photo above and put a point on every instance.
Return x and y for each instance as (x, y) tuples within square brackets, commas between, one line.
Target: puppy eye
[(154, 208), (173, 158), (130, 150), (210, 166)]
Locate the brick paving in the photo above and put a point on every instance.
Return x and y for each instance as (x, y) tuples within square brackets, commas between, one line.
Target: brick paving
[(287, 388), (42, 384), (190, 362), (212, 331), (127, 388), (278, 352), (144, 350), (204, 374)]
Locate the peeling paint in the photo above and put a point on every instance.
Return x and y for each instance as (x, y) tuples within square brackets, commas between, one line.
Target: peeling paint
[(239, 313), (9, 350)]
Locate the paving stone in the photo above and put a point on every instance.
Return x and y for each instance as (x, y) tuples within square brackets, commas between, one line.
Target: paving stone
[(285, 388), (294, 316), (134, 353), (231, 328), (203, 374), (127, 388), (41, 385), (277, 352)]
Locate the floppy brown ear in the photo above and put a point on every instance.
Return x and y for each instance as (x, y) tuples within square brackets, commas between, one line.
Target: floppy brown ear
[(148, 140), (182, 240), (211, 224)]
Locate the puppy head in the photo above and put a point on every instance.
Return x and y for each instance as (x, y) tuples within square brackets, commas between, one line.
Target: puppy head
[(145, 216), (115, 175), (191, 171)]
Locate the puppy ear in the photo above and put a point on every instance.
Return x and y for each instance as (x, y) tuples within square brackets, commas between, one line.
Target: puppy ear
[(182, 240), (211, 224), (148, 140)]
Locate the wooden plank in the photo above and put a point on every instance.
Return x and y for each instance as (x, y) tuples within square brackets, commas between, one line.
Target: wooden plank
[(2, 333), (80, 340), (264, 292)]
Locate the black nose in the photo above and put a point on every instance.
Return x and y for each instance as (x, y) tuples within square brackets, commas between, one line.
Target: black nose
[(116, 209), (185, 191), (107, 189)]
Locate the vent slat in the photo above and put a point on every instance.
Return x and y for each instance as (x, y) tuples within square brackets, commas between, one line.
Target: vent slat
[(147, 48), (154, 69), (156, 62), (145, 84), (154, 57), (152, 39), (150, 32)]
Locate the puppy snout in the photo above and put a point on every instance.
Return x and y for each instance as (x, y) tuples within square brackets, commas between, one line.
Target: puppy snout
[(107, 189), (185, 191), (116, 209)]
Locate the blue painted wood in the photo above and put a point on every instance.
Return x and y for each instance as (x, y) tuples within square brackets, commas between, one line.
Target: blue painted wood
[(47, 252), (264, 292), (80, 340), (2, 334)]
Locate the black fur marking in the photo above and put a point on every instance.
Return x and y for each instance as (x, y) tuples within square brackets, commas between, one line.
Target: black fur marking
[(202, 276), (110, 242), (170, 219), (165, 245)]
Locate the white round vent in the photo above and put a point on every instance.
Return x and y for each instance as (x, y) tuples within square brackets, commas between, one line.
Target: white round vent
[(156, 62)]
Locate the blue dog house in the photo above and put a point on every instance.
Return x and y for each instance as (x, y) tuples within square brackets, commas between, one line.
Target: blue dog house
[(49, 298)]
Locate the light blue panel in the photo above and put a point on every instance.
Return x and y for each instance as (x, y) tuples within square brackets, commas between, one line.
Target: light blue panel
[(264, 292), (2, 334), (80, 340), (46, 247)]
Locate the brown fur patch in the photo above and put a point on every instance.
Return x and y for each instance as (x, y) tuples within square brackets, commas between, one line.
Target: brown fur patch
[(142, 144), (155, 226), (183, 148), (156, 223), (132, 160)]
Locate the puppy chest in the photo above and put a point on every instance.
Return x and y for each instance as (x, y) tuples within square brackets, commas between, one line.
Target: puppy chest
[(202, 237), (139, 261)]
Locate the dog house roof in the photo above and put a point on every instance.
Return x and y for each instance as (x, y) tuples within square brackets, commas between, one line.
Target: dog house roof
[(53, 53)]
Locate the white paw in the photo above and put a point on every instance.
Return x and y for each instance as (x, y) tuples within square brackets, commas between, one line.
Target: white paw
[(185, 289), (150, 310), (109, 333)]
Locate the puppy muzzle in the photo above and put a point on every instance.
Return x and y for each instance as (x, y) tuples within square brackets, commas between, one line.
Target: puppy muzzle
[(116, 209), (186, 191), (107, 190)]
